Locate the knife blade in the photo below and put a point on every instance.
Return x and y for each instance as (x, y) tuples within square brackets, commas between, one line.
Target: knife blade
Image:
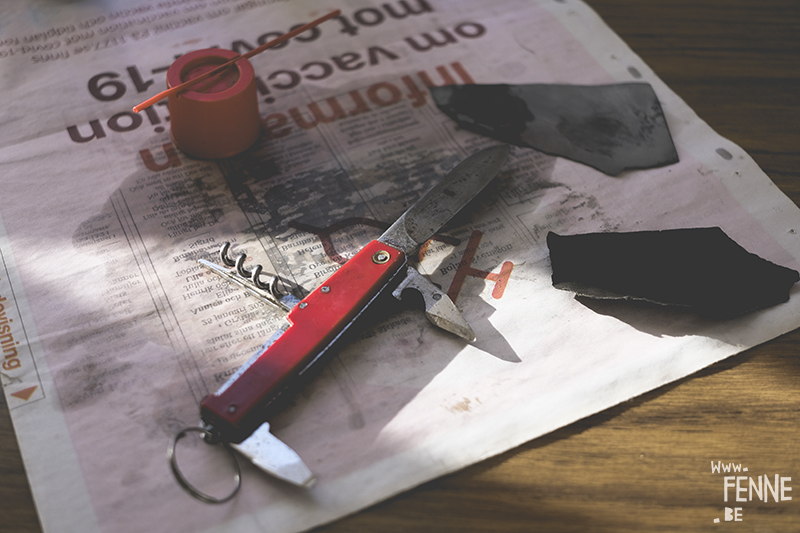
[(423, 219), (316, 323)]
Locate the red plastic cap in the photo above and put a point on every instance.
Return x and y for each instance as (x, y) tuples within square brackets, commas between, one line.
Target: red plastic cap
[(218, 117)]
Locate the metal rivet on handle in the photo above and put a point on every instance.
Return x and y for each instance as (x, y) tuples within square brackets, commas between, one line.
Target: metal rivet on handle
[(325, 289), (381, 257)]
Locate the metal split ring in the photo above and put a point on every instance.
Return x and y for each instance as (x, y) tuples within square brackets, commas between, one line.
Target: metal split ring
[(183, 482)]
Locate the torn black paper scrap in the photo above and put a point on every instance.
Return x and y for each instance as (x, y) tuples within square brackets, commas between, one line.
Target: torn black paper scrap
[(700, 268), (608, 127)]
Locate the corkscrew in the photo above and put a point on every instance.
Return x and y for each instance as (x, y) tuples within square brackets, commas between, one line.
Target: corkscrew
[(275, 289)]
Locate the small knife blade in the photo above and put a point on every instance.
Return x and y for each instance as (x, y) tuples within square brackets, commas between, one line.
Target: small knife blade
[(275, 457)]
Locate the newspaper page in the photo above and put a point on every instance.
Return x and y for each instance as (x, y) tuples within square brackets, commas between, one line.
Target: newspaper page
[(112, 333)]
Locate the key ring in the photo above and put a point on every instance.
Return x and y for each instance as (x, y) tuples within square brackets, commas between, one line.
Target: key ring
[(183, 482)]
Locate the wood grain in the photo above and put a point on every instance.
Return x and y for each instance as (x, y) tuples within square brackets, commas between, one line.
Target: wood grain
[(643, 465)]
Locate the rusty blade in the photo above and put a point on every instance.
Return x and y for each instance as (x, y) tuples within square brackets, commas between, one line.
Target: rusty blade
[(445, 199)]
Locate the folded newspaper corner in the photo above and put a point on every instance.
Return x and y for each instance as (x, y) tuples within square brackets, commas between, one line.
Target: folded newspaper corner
[(113, 332)]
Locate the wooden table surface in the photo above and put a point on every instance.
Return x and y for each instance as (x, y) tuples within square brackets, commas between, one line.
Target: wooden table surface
[(644, 465)]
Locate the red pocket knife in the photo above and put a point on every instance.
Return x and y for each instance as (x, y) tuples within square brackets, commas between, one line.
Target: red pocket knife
[(237, 412)]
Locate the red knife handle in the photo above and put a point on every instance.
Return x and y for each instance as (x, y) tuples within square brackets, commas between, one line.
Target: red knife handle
[(241, 404)]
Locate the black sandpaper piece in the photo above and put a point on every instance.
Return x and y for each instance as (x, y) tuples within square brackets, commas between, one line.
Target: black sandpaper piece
[(608, 127), (700, 268)]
